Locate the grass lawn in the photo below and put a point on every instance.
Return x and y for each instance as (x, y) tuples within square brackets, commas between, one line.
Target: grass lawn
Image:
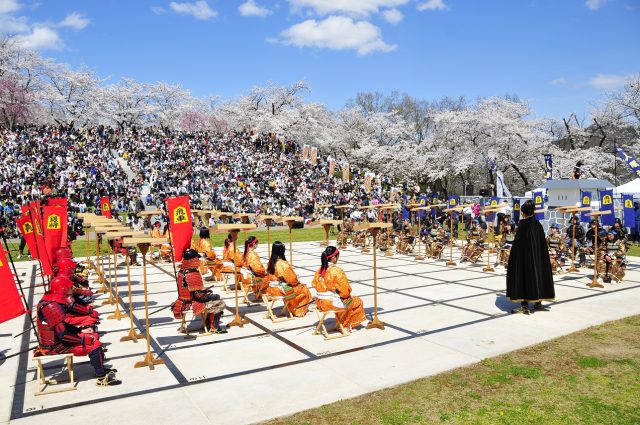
[(589, 377), (277, 233)]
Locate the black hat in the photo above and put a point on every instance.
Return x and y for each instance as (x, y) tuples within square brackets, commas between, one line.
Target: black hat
[(190, 254)]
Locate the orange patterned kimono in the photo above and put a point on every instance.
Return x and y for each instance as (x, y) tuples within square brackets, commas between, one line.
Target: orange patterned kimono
[(296, 295), (253, 263), (212, 262), (334, 293), (228, 257)]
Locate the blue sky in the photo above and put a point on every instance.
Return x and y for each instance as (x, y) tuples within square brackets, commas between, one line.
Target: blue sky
[(560, 54)]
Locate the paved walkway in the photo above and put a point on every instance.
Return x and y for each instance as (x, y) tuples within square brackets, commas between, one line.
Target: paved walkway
[(438, 318)]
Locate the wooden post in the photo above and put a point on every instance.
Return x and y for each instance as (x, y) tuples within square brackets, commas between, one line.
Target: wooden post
[(117, 314), (132, 335), (375, 323), (149, 360)]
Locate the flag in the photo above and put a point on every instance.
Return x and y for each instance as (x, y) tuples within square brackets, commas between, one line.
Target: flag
[(631, 162), (627, 209), (501, 188), (422, 201), (54, 223), (105, 207), (26, 229), (180, 224), (58, 202), (345, 172), (332, 167), (368, 179), (305, 152), (452, 202), (313, 155), (606, 204), (585, 196), (538, 200), (494, 200), (548, 167), (516, 209), (11, 305), (43, 256)]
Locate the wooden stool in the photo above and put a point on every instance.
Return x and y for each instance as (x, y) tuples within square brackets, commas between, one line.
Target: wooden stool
[(225, 279), (43, 382), (269, 301), (322, 329), (185, 329)]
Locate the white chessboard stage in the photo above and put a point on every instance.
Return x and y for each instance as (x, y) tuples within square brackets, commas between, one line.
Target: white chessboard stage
[(437, 318)]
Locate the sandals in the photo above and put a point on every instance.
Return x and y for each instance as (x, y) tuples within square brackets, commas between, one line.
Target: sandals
[(521, 310)]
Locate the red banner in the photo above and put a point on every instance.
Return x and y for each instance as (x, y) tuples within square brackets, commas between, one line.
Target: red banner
[(180, 224), (105, 207), (58, 202), (26, 228), (11, 305), (36, 220), (54, 223)]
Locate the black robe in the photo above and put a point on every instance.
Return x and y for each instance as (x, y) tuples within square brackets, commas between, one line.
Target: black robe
[(529, 275)]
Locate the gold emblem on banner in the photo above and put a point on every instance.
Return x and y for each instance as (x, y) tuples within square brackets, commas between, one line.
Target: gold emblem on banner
[(180, 215), (27, 228), (53, 222)]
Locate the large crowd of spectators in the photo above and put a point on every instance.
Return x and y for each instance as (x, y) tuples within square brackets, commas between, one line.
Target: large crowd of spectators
[(236, 172)]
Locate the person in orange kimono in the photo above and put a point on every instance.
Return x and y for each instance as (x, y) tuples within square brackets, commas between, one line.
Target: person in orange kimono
[(283, 282), (212, 262), (228, 256), (334, 291), (252, 265)]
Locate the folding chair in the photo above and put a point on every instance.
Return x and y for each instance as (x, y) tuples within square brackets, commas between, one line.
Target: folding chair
[(42, 382), (269, 301), (184, 328), (322, 329)]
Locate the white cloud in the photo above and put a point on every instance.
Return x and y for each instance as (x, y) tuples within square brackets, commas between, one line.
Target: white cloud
[(559, 82), (338, 33), (432, 5), (250, 8), (40, 38), (360, 8), (393, 16), (12, 25), (608, 81), (75, 20), (199, 9), (8, 6), (158, 10), (595, 4)]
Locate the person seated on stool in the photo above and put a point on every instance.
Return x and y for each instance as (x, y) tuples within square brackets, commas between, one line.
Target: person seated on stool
[(334, 291), (213, 263), (192, 293), (59, 336), (252, 264), (283, 282)]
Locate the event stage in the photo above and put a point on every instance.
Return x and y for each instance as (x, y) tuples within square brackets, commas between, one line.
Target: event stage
[(437, 318)]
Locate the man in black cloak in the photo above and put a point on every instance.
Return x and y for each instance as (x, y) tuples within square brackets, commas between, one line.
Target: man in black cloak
[(529, 276)]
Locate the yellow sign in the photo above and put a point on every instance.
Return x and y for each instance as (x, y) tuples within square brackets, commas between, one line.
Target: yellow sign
[(452, 202), (1, 263), (105, 206), (27, 228), (538, 199), (606, 200), (628, 203), (494, 202), (53, 222), (516, 206), (586, 200), (180, 215)]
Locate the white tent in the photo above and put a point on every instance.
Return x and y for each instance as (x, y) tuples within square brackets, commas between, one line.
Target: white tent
[(632, 187)]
